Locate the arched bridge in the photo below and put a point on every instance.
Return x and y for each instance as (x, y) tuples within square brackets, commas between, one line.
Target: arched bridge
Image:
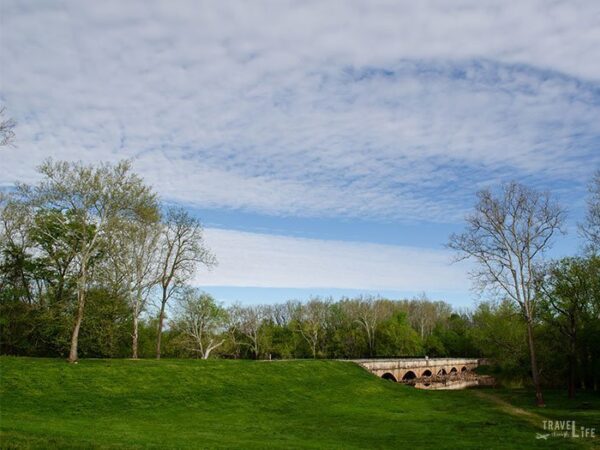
[(409, 369)]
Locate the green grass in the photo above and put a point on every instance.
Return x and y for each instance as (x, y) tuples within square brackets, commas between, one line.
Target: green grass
[(251, 404)]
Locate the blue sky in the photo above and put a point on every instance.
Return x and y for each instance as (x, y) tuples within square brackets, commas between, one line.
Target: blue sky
[(330, 147)]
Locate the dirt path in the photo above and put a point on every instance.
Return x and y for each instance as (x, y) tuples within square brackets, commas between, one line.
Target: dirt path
[(532, 418), (536, 420)]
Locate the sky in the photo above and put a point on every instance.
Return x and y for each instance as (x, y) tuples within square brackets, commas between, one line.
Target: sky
[(329, 147)]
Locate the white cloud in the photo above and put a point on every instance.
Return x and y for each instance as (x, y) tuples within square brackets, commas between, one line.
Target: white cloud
[(262, 260), (328, 108)]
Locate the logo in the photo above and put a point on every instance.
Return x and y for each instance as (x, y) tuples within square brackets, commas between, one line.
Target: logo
[(565, 429)]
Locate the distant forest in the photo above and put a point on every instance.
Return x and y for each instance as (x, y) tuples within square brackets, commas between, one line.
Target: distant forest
[(93, 265)]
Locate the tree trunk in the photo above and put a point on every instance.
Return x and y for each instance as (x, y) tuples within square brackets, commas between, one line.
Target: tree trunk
[(256, 349), (373, 343), (80, 306), (134, 342), (572, 365), (210, 348), (161, 318), (364, 324), (571, 386), (539, 398)]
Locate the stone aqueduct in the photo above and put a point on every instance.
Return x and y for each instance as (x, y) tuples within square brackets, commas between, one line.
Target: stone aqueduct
[(405, 370)]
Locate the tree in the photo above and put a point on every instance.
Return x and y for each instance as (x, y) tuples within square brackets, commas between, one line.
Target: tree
[(397, 338), (55, 243), (368, 313), (16, 248), (423, 314), (311, 319), (106, 324), (7, 129), (591, 227), (248, 321), (499, 335), (454, 335), (279, 335), (202, 320), (133, 263), (182, 249), (86, 204), (507, 236), (569, 288)]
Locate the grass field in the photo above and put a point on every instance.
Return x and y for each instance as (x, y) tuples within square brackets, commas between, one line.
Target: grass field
[(251, 404)]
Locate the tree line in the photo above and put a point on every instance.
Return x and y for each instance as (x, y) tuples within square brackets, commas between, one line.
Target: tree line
[(92, 264), (87, 235)]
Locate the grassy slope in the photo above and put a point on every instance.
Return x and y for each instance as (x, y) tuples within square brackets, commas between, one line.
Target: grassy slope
[(242, 404)]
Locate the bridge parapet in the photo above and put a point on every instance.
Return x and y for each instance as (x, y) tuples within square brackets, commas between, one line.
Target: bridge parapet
[(405, 369)]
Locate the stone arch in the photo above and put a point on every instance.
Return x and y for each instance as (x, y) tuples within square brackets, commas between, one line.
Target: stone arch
[(464, 369), (410, 375), (442, 371), (426, 373), (453, 370), (389, 376)]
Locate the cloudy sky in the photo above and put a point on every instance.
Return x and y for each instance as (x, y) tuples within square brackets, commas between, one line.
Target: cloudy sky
[(329, 147)]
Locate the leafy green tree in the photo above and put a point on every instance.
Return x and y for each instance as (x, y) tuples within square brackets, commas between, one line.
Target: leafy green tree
[(106, 324), (86, 204), (345, 338), (201, 320), (56, 235), (499, 333), (454, 334), (570, 289), (395, 337), (17, 264)]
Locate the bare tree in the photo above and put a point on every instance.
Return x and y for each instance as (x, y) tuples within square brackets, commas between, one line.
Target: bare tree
[(311, 320), (202, 320), (133, 262), (248, 321), (507, 235), (7, 129), (182, 250), (233, 333), (424, 314), (281, 313), (369, 313)]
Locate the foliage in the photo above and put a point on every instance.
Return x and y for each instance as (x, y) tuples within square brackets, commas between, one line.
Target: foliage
[(396, 337), (201, 321), (570, 292)]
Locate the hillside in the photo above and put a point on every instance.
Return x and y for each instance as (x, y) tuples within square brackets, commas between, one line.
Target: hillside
[(242, 404)]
